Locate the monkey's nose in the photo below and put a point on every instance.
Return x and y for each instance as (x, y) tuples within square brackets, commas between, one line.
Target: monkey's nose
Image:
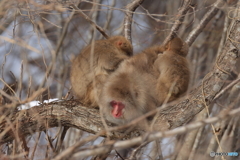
[(113, 103), (117, 108)]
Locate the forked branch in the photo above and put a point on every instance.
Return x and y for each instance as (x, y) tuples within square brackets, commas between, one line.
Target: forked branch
[(130, 9)]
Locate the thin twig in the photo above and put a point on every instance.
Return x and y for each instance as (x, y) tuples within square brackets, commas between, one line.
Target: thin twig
[(224, 35), (73, 148), (227, 88), (20, 82), (181, 14), (59, 45), (94, 17), (208, 113), (20, 43), (33, 96), (109, 17), (34, 148), (136, 150), (90, 21), (60, 139), (206, 18)]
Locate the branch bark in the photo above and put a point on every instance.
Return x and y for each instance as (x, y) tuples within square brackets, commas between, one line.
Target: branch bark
[(104, 148), (181, 14), (204, 21), (130, 9)]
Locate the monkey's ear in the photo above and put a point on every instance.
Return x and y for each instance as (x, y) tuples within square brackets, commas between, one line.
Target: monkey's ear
[(119, 43)]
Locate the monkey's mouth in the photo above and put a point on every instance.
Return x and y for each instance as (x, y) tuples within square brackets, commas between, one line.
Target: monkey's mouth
[(117, 109), (116, 114)]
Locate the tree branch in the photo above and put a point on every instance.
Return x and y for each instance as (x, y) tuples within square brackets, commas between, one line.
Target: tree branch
[(204, 21), (181, 14), (130, 9), (56, 52), (104, 148), (90, 21)]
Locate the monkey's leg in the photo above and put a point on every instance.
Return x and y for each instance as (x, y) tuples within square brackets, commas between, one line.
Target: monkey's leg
[(166, 93)]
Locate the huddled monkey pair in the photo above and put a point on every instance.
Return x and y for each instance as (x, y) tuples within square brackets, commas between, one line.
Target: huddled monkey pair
[(105, 74), (94, 64)]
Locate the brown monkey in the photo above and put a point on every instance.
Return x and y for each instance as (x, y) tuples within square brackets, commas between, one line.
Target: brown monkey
[(93, 65), (142, 82), (130, 91), (174, 71)]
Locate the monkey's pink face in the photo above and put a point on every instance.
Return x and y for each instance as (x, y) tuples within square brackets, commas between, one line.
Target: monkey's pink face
[(120, 111), (117, 109), (123, 97)]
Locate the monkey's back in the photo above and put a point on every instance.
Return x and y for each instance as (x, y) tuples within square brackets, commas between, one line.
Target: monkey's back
[(174, 73), (96, 59)]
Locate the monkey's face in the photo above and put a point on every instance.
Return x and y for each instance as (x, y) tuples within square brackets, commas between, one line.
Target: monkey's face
[(117, 109), (122, 99)]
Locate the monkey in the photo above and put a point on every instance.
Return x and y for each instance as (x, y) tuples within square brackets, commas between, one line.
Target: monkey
[(142, 82), (174, 72), (135, 87), (130, 91), (94, 64)]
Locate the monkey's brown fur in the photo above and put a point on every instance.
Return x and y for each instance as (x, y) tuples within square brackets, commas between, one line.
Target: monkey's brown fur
[(142, 82), (174, 71), (93, 65), (133, 85)]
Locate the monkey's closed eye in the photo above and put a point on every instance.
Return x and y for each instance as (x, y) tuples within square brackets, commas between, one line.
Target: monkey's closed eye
[(136, 94), (109, 70)]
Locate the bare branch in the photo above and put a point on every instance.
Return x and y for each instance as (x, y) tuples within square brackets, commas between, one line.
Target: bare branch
[(100, 149), (109, 17), (59, 45), (130, 9), (207, 17), (90, 21), (227, 87), (181, 14)]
